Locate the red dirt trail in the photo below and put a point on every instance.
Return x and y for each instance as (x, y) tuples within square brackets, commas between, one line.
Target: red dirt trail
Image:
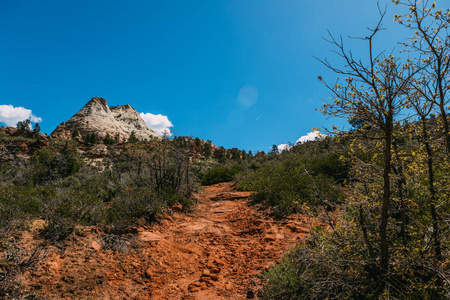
[(217, 251)]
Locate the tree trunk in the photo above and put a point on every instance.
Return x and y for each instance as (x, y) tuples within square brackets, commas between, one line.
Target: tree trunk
[(442, 101), (446, 127), (365, 235), (384, 247), (401, 183), (437, 241)]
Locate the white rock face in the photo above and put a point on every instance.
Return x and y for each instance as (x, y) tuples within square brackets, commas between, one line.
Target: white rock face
[(97, 117)]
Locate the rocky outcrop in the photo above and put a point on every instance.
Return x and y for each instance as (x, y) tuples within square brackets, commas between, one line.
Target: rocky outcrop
[(97, 117)]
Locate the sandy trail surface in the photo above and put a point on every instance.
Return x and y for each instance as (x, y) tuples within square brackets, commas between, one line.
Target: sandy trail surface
[(217, 251)]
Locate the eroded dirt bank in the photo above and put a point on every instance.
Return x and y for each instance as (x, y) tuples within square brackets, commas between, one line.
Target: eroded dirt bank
[(216, 252)]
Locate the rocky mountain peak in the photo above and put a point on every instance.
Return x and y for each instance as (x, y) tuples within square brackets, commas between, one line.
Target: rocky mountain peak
[(96, 106), (97, 117)]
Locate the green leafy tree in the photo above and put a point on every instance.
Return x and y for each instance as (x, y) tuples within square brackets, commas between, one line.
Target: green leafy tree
[(235, 154), (430, 92), (197, 143), (94, 138), (389, 241), (430, 41), (117, 138), (75, 133), (24, 125), (207, 149), (108, 140), (244, 155), (274, 150), (133, 138), (90, 138), (374, 92), (220, 154), (36, 128)]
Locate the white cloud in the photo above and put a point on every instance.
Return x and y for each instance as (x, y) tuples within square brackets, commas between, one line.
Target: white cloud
[(159, 123), (283, 147), (311, 136), (10, 115)]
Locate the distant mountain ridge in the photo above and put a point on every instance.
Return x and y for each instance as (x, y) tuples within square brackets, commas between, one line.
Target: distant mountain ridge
[(97, 117)]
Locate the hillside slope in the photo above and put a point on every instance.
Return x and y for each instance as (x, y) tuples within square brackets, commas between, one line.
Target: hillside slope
[(216, 252)]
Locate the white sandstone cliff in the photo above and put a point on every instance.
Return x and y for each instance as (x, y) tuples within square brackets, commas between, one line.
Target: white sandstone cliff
[(97, 117)]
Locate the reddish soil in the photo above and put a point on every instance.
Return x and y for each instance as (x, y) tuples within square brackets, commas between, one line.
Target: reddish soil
[(218, 251)]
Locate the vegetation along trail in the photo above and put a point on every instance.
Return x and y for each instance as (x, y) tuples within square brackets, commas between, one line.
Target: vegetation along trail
[(217, 251)]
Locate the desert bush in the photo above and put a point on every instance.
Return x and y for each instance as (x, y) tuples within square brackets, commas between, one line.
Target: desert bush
[(284, 185), (137, 205), (221, 174), (43, 166), (19, 204), (13, 263), (68, 208), (47, 167), (131, 205), (8, 173), (158, 165), (24, 200), (8, 218), (328, 266), (102, 185), (199, 170), (331, 165), (58, 227), (82, 206)]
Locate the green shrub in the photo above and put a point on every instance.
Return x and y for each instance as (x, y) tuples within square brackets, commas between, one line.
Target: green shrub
[(284, 280), (221, 174), (26, 200), (19, 204), (130, 206), (68, 208), (285, 185), (328, 266), (330, 165), (101, 185), (47, 167), (8, 217), (138, 180), (58, 228), (81, 206)]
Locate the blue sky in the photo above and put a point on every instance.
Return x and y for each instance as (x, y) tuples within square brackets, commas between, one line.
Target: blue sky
[(238, 72)]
